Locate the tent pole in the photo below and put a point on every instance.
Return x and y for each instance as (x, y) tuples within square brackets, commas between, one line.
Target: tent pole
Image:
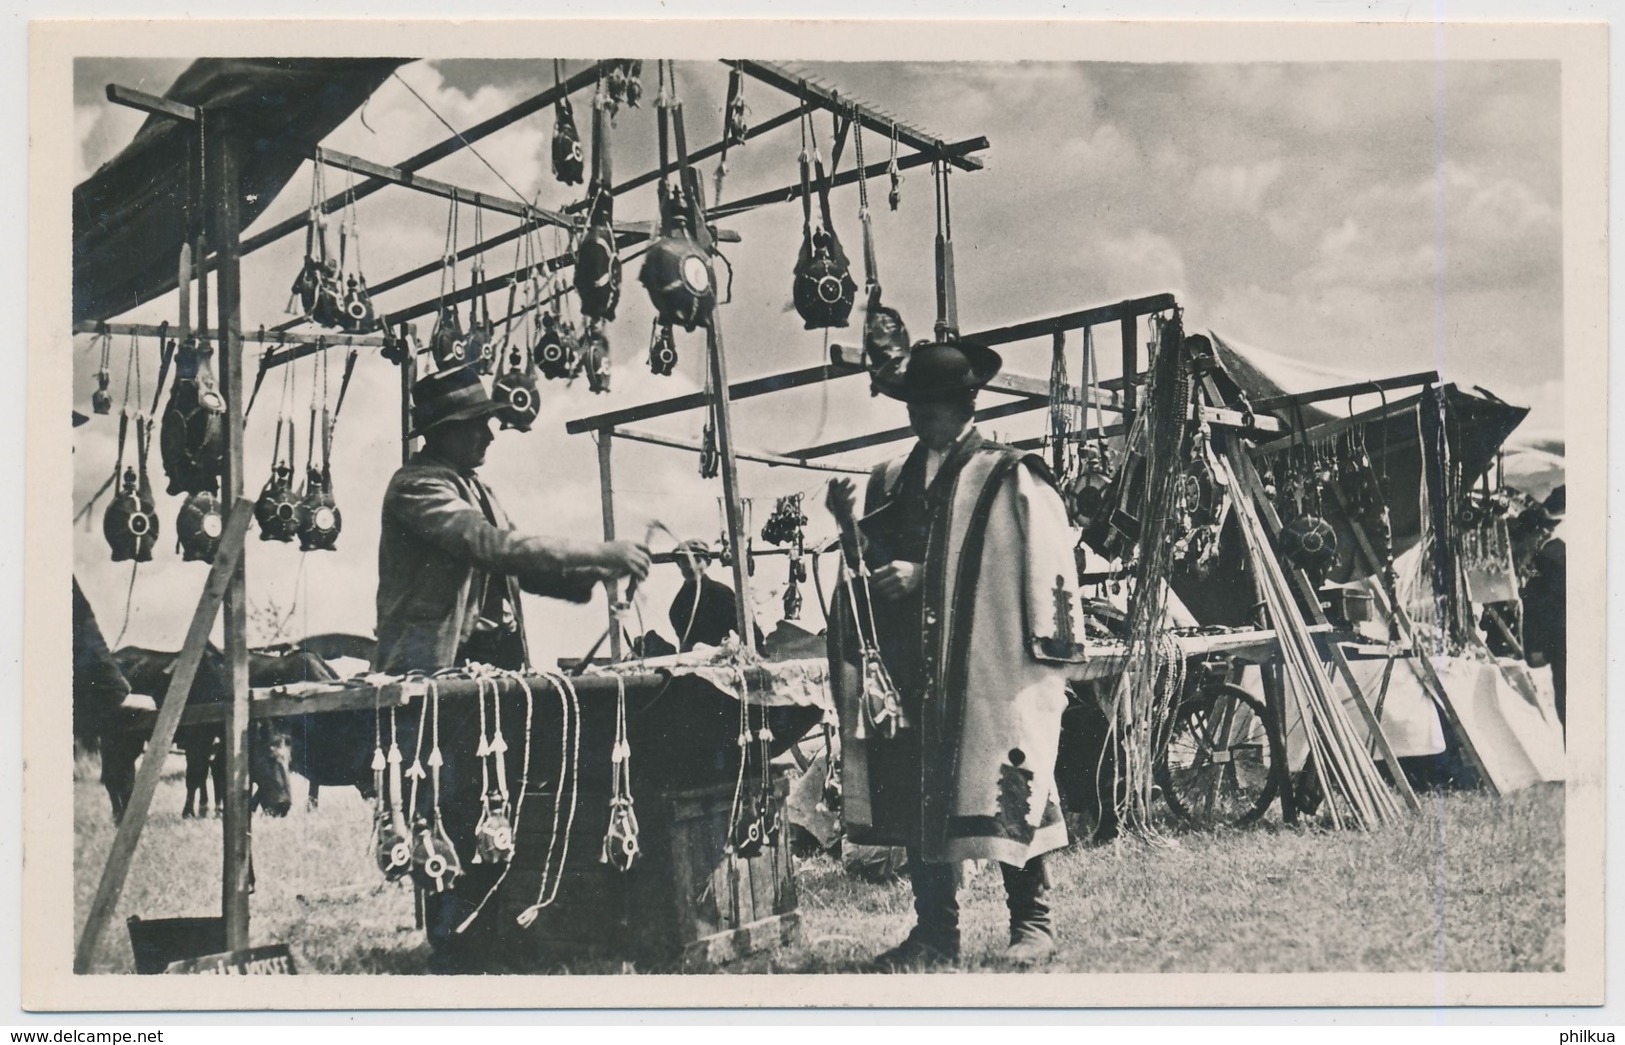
[(220, 145), (409, 364), (1131, 366)]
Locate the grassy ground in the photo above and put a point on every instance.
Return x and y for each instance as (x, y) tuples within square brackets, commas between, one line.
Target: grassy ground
[(1472, 884)]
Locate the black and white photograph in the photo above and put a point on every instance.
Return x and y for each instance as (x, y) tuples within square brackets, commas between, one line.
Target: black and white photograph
[(1070, 510)]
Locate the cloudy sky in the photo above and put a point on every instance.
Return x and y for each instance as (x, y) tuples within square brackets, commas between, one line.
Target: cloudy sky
[(1364, 218)]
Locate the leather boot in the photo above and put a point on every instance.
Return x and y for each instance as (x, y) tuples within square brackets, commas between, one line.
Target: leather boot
[(1026, 894), (934, 940)]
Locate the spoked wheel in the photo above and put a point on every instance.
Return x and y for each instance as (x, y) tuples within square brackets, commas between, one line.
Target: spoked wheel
[(1220, 764)]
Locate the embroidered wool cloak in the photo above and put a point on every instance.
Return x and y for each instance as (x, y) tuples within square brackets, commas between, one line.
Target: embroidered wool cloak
[(974, 775)]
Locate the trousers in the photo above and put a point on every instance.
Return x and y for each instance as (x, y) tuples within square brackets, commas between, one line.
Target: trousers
[(936, 901)]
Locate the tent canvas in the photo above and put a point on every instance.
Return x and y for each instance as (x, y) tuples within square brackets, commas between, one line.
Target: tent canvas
[(131, 216)]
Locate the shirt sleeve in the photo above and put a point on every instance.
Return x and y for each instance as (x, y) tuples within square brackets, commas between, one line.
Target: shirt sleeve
[(433, 510)]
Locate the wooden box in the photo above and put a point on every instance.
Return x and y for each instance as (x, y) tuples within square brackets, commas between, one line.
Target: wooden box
[(685, 903)]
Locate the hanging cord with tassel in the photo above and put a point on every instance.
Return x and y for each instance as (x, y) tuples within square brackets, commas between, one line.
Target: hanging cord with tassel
[(569, 767)]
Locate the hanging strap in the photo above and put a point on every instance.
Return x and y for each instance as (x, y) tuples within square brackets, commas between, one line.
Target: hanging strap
[(823, 190), (871, 272), (123, 430), (805, 160), (344, 384), (166, 355)]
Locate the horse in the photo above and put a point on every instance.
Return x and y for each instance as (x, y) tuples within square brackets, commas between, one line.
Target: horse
[(270, 749), (334, 749)]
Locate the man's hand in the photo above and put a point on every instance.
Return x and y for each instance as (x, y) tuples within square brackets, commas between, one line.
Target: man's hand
[(624, 559), (897, 580), (841, 498)]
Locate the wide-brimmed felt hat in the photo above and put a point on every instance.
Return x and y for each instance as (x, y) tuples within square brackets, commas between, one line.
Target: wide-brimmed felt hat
[(936, 370), (456, 394)]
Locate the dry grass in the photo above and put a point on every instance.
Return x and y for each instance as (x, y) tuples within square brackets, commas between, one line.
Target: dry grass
[(1471, 884)]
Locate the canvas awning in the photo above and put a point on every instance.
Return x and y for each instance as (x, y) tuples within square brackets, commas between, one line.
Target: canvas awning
[(130, 217)]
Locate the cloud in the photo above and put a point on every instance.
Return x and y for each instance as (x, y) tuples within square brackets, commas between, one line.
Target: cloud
[(1139, 262), (1239, 187)]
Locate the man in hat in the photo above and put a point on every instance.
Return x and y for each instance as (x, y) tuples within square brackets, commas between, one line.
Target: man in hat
[(450, 571), (975, 595), (704, 610), (1545, 594)]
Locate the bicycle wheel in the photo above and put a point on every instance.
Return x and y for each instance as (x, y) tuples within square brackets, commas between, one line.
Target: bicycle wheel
[(1219, 767)]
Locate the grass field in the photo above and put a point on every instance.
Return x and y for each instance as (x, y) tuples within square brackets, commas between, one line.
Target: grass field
[(1472, 884)]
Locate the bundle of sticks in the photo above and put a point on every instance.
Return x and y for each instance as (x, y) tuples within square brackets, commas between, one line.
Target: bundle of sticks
[(1355, 793)]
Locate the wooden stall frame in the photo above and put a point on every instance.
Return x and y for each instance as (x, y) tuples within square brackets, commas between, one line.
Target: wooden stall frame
[(222, 576), (227, 584)]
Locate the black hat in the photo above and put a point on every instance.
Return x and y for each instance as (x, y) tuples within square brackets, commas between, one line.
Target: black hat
[(456, 394), (936, 370), (1557, 502)]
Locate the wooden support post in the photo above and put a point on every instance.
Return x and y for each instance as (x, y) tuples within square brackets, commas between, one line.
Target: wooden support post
[(606, 501), (220, 147), (730, 482), (1131, 366), (221, 574), (1270, 676), (409, 367)]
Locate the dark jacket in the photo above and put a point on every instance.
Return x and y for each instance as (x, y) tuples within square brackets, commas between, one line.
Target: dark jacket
[(437, 556), (714, 619)]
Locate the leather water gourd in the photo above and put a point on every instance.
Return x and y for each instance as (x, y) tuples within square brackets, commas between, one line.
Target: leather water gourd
[(191, 438)]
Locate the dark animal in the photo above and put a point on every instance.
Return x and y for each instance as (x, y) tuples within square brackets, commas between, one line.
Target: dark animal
[(270, 749), (333, 749)]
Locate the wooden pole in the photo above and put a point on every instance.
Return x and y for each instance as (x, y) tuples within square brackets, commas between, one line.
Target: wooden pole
[(1131, 366), (226, 559), (1242, 466), (221, 182), (730, 482), (606, 501), (408, 378)]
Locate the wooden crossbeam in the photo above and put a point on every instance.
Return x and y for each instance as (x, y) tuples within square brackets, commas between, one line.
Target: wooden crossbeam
[(891, 435), (771, 123), (694, 400), (226, 557), (262, 337), (755, 456), (874, 170), (626, 186), (871, 119), (1321, 395), (1039, 441), (445, 190), (1089, 317), (151, 103), (434, 153), (1016, 384)]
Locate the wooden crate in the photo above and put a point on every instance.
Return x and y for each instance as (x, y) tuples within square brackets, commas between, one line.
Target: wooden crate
[(685, 903)]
